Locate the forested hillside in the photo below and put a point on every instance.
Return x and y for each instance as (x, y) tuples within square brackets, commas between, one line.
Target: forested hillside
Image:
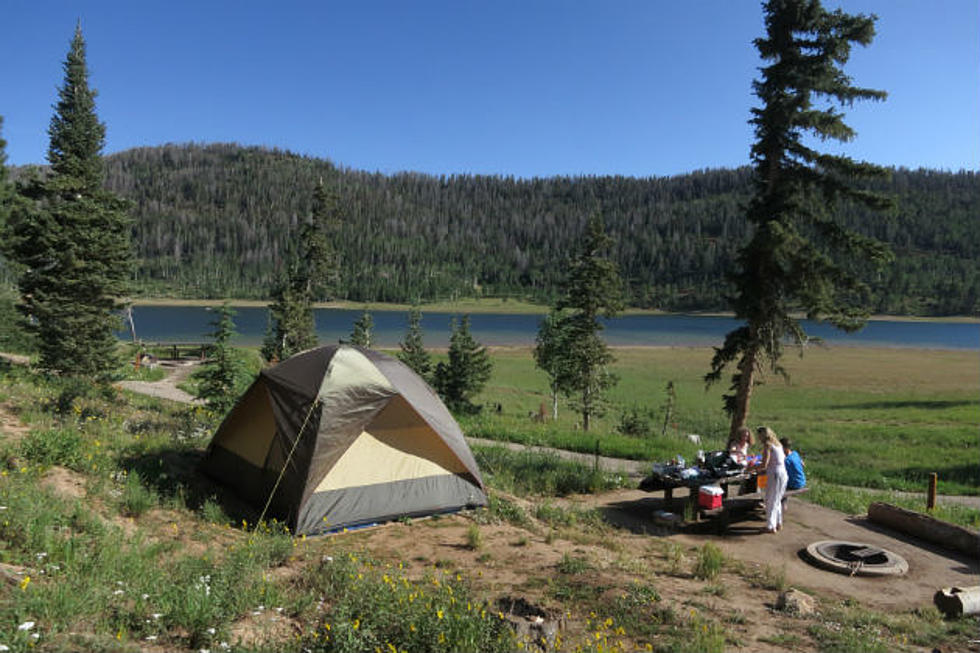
[(216, 221)]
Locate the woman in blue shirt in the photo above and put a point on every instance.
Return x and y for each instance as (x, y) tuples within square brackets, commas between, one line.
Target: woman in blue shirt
[(794, 466)]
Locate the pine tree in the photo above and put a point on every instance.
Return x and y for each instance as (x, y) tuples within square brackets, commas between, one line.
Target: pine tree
[(361, 335), (221, 378), (413, 351), (800, 257), (291, 327), (459, 379), (312, 271), (593, 289), (71, 239)]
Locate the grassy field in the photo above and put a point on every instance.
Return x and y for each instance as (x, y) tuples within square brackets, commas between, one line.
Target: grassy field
[(867, 417)]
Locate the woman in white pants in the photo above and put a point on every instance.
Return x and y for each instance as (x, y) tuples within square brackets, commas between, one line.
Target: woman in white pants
[(774, 461)]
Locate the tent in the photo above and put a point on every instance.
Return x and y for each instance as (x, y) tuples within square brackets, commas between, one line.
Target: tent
[(342, 436)]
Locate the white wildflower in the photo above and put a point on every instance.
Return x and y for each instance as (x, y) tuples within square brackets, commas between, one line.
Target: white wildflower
[(27, 625)]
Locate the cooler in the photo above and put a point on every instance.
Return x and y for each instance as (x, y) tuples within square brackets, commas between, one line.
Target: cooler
[(709, 497)]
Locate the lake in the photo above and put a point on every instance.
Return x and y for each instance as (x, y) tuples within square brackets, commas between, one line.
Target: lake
[(191, 324)]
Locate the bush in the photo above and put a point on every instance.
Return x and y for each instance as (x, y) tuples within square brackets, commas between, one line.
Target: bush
[(60, 446), (635, 423)]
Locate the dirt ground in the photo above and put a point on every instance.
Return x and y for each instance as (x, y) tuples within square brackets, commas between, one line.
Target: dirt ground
[(511, 562), (930, 567)]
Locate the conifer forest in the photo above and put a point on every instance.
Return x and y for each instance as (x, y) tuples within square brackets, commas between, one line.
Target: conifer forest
[(220, 220)]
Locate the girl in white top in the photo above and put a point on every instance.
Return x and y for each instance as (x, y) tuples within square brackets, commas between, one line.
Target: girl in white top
[(774, 461), (738, 446)]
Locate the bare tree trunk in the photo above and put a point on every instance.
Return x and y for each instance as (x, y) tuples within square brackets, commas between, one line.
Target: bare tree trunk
[(554, 404), (586, 410)]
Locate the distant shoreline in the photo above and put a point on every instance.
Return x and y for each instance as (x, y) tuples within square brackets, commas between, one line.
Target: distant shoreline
[(494, 306)]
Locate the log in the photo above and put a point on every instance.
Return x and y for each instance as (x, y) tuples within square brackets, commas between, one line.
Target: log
[(958, 601), (959, 538)]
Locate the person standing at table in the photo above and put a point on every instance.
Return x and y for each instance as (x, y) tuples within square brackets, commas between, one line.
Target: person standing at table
[(774, 462), (796, 478)]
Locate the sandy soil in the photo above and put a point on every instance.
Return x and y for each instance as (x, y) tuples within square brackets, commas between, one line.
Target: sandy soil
[(166, 388)]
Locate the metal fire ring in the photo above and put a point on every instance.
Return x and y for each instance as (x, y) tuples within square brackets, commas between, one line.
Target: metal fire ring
[(855, 558)]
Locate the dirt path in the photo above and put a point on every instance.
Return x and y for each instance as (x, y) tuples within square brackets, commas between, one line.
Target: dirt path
[(166, 388)]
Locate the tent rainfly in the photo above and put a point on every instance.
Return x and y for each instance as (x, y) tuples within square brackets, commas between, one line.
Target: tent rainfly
[(343, 436)]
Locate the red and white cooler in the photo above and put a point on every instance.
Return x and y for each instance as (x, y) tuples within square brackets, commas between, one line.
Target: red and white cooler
[(709, 496)]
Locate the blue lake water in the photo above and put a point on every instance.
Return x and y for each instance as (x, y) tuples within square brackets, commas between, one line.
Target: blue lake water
[(192, 324)]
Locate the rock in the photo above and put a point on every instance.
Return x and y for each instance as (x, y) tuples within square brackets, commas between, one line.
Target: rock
[(796, 603)]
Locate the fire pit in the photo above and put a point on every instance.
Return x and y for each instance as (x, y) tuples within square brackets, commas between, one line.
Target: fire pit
[(855, 559)]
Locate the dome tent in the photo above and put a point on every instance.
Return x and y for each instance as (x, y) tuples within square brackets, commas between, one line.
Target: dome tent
[(341, 436)]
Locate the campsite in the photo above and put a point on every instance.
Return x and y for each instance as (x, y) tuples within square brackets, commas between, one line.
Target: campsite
[(665, 213), (107, 495)]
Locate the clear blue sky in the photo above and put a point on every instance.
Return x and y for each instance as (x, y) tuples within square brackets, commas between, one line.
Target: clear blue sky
[(511, 87)]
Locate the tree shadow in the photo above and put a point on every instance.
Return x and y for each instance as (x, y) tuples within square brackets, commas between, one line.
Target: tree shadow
[(969, 566), (925, 404), (176, 474), (967, 474)]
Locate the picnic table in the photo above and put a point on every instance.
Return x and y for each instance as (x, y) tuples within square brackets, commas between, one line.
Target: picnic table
[(740, 491)]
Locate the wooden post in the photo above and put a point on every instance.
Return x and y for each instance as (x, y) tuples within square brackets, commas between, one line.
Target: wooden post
[(595, 467), (931, 495)]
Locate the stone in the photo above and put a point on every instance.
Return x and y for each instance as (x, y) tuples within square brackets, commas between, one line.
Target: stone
[(795, 602)]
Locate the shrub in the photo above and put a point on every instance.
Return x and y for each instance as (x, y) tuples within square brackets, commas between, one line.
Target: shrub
[(59, 446)]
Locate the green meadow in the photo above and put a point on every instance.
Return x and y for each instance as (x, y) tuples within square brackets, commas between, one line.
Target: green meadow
[(865, 417)]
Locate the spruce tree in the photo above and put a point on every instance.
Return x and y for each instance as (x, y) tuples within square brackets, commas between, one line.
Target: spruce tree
[(413, 351), (71, 239), (592, 290), (800, 257), (312, 272), (220, 380), (459, 379), (361, 335)]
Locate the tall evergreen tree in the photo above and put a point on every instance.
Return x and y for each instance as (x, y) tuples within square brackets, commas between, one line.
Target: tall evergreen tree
[(361, 335), (311, 273), (800, 257), (71, 239), (221, 378), (291, 325), (593, 289), (459, 379), (413, 352)]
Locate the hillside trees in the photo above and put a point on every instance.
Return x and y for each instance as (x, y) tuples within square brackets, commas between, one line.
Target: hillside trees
[(70, 238), (592, 289), (801, 256), (217, 220)]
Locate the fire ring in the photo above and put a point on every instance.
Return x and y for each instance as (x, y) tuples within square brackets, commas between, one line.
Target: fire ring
[(855, 559)]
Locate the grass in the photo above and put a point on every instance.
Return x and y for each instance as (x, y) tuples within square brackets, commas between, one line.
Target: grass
[(709, 562), (874, 418)]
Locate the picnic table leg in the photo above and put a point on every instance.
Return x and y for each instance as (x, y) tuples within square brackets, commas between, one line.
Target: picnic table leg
[(668, 495)]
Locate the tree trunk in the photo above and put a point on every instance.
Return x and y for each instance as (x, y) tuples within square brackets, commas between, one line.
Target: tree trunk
[(554, 404), (586, 410), (743, 395)]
